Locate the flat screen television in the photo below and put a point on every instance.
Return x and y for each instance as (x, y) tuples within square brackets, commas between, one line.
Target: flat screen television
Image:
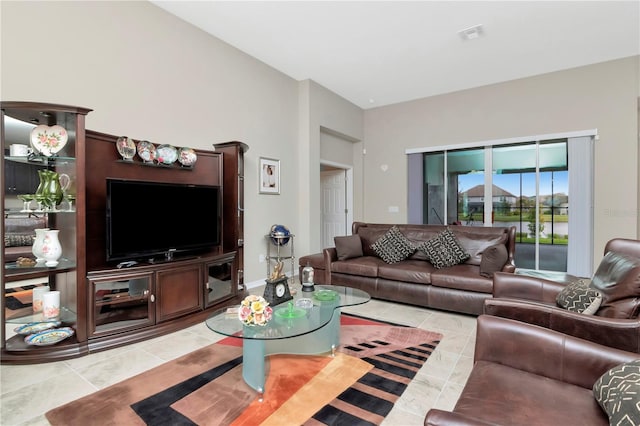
[(148, 219)]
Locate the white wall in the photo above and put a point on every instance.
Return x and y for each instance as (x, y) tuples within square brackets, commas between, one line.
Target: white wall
[(149, 75), (602, 96)]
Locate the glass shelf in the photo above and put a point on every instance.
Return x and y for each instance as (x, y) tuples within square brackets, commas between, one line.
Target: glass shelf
[(66, 316), (13, 272), (40, 160)]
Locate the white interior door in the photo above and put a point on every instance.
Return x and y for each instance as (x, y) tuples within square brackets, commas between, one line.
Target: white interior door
[(334, 210)]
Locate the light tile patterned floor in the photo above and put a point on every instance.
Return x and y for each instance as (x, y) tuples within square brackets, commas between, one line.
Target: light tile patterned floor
[(28, 391)]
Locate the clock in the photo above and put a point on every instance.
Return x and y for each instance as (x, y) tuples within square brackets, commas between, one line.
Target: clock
[(277, 291)]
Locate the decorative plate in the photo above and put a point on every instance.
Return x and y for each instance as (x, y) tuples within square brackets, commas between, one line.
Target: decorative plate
[(325, 295), (48, 140), (126, 147), (35, 327), (187, 157), (147, 151), (49, 337), (166, 154)]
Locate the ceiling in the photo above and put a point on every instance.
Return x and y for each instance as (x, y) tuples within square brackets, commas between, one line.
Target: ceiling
[(375, 53)]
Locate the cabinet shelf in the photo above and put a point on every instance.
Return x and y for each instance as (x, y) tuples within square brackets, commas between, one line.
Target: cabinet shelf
[(40, 160), (173, 166), (67, 316)]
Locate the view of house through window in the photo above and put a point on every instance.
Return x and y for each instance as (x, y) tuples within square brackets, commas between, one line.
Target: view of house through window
[(527, 188)]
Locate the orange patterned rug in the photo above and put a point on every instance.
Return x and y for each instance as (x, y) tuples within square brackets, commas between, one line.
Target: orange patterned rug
[(375, 363)]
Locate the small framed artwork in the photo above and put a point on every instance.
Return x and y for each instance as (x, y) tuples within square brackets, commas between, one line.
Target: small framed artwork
[(269, 176)]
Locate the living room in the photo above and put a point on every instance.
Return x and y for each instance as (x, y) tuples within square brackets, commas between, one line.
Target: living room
[(149, 75)]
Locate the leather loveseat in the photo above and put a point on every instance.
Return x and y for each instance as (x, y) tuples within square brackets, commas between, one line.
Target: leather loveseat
[(415, 280), (528, 375)]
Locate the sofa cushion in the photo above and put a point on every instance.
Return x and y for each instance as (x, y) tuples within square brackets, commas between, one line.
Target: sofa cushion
[(366, 266), (411, 271), (348, 247), (618, 280), (393, 246), (578, 297), (476, 243), (501, 395), (462, 277), (444, 250), (617, 391), (12, 239), (493, 259)]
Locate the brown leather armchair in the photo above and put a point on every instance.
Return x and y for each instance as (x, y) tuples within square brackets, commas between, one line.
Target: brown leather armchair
[(528, 375), (616, 323)]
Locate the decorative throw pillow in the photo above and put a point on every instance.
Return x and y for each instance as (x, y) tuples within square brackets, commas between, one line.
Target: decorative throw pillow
[(393, 246), (493, 259), (18, 240), (444, 250), (578, 297), (348, 247), (618, 393)]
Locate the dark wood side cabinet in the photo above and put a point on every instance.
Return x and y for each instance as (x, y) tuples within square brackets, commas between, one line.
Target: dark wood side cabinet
[(233, 208)]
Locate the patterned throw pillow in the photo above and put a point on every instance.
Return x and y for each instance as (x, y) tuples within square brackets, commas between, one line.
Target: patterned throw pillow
[(393, 246), (444, 250), (618, 393), (578, 297)]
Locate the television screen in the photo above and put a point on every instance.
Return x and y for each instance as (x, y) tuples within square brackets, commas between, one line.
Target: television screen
[(146, 219)]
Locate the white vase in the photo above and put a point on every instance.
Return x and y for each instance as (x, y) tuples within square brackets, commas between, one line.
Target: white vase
[(36, 249), (51, 248)]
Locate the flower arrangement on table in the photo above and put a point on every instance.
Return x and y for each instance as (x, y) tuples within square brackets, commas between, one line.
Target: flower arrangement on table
[(255, 310)]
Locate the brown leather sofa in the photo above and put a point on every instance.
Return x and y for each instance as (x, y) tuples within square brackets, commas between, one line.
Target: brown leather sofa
[(616, 323), (416, 281), (19, 235), (528, 375)]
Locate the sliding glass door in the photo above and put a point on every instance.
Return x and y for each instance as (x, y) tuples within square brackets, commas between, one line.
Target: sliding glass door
[(527, 188)]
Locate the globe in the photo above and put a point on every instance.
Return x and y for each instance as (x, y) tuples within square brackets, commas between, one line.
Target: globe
[(277, 232)]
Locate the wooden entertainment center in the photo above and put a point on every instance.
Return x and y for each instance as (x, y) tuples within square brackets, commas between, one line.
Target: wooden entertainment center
[(107, 305)]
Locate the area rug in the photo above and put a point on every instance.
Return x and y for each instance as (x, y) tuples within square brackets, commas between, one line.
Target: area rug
[(374, 364)]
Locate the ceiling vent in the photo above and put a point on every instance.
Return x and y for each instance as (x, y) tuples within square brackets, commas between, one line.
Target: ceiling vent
[(471, 33)]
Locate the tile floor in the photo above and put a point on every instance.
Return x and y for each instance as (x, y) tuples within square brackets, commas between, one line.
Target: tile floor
[(28, 391)]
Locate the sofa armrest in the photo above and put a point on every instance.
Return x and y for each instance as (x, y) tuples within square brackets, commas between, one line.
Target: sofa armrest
[(330, 256), (529, 348), (525, 287), (437, 417), (617, 333)]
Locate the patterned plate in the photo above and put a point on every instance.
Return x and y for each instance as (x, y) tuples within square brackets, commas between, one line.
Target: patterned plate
[(187, 157), (147, 151), (166, 154), (49, 337), (48, 140), (35, 327)]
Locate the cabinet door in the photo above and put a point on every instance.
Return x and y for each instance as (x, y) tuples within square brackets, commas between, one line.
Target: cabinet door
[(178, 291), (120, 303), (20, 178), (219, 282)]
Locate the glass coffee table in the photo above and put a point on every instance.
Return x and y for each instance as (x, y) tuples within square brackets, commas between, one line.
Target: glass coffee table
[(293, 329)]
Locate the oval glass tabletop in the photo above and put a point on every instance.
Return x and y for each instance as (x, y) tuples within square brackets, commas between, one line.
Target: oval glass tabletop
[(290, 320)]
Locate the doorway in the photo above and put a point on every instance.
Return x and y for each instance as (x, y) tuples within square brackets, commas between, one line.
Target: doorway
[(336, 201)]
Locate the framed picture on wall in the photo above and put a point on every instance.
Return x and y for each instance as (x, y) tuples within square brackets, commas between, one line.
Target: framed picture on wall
[(269, 174)]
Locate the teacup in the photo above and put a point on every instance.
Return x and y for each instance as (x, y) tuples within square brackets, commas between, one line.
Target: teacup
[(20, 150)]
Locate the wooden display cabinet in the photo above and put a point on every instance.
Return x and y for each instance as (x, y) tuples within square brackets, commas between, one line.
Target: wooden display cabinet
[(18, 119), (107, 306)]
